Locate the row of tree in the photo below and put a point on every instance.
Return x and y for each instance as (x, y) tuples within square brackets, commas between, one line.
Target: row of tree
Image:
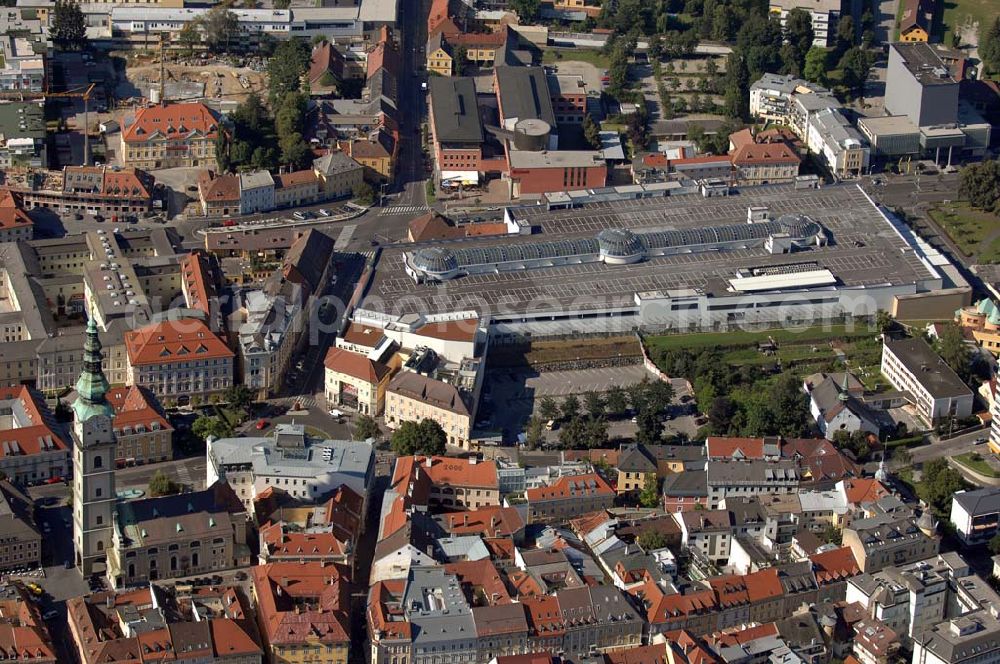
[(980, 185)]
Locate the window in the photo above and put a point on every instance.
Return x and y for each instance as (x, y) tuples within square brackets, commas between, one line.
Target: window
[(98, 461), (99, 519)]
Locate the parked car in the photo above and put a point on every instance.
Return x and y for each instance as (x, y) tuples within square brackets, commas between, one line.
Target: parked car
[(323, 212), (261, 425)]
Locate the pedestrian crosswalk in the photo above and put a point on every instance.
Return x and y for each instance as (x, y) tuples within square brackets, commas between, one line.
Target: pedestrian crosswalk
[(346, 233), (307, 401), (403, 209)]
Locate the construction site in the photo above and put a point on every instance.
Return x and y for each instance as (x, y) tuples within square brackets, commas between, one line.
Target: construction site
[(191, 80)]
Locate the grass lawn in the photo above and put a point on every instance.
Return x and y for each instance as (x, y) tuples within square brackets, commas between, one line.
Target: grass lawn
[(978, 465), (969, 229), (958, 12), (695, 340), (591, 55)]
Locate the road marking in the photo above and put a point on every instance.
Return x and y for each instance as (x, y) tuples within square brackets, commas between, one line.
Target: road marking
[(346, 233), (403, 209)]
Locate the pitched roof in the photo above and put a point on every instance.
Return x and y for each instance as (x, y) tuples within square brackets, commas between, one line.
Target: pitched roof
[(433, 226), (590, 484), (355, 365), (302, 602), (492, 521), (432, 392), (172, 121), (325, 58), (835, 565), (358, 334), (777, 152), (725, 447), (136, 407), (861, 490), (183, 340), (215, 188), (38, 432)]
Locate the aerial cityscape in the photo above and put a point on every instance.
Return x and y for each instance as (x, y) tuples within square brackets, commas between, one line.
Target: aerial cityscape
[(500, 331)]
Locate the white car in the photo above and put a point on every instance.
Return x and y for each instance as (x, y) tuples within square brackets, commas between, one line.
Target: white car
[(334, 412), (323, 213), (299, 215)]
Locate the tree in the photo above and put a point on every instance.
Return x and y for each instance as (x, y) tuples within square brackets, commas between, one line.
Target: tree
[(63, 412), (161, 485), (650, 494), (855, 65), (884, 321), (720, 415), (980, 185), (615, 402), (526, 10), (548, 409), (364, 194), (295, 152), (952, 349), (69, 29), (424, 437), (190, 36), (989, 46), (799, 32), (595, 432), (593, 403), (994, 544), (845, 33), (591, 132), (651, 540), (282, 4), (570, 407), (736, 103), (573, 434), (815, 65), (288, 117), (239, 396), (285, 69), (366, 427), (221, 28), (789, 406), (460, 60), (206, 426), (534, 433), (832, 534), (940, 482)]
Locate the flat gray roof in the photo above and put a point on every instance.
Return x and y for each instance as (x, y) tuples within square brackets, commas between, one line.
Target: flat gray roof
[(924, 63), (866, 251), (889, 125), (927, 367), (524, 94), (454, 109)]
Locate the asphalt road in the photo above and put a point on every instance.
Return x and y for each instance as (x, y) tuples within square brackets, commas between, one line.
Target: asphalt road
[(958, 445)]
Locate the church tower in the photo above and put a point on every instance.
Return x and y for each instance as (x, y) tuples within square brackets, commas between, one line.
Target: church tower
[(93, 459)]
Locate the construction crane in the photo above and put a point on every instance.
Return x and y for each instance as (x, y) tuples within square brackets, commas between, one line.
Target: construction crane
[(85, 94)]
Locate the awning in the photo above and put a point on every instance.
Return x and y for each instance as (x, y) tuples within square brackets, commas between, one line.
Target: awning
[(455, 178)]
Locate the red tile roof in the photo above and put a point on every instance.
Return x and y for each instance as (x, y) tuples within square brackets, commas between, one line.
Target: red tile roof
[(724, 447), (480, 578), (730, 590), (325, 59), (763, 585), (590, 484), (833, 566), (765, 153), (863, 491), (281, 544), (219, 188), (136, 407), (355, 365), (652, 654), (172, 121), (544, 616), (451, 330), (302, 603), (494, 521), (172, 341), (384, 612), (197, 281), (362, 335), (295, 179), (41, 433)]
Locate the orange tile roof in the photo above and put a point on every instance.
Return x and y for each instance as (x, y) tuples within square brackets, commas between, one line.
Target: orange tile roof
[(217, 188), (41, 432), (500, 548), (569, 487), (23, 633), (835, 565), (172, 121), (652, 654), (524, 585), (724, 447), (763, 585), (311, 606), (451, 330), (544, 615), (231, 639), (295, 179), (730, 590), (863, 491), (355, 365), (172, 341), (290, 545), (136, 406), (778, 152), (676, 606), (432, 226), (390, 621), (493, 521), (742, 137), (449, 471), (486, 229), (480, 575), (439, 13), (478, 39), (11, 214), (739, 636), (362, 335), (197, 281)]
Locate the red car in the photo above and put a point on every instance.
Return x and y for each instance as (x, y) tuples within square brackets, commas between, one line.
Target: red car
[(261, 425), (228, 222), (54, 480)]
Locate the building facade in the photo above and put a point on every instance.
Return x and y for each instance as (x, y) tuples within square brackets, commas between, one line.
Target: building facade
[(171, 136)]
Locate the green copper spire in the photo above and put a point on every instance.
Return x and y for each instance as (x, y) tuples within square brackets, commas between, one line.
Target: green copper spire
[(91, 386)]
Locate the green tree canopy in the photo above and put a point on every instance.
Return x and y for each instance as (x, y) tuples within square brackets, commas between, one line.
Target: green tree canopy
[(855, 65), (285, 69), (161, 485), (206, 426), (534, 433), (239, 396), (953, 350), (424, 437), (593, 403), (650, 494), (366, 427), (615, 401), (526, 10), (570, 407), (364, 194), (548, 409), (651, 540), (220, 28), (940, 482), (989, 45), (69, 29), (591, 132), (980, 185), (815, 65)]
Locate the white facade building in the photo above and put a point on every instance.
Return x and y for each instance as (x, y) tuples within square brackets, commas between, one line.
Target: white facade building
[(911, 365)]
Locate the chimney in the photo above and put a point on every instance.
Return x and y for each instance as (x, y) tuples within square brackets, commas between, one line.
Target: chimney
[(473, 460), (494, 521), (109, 601), (465, 518), (428, 462)]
